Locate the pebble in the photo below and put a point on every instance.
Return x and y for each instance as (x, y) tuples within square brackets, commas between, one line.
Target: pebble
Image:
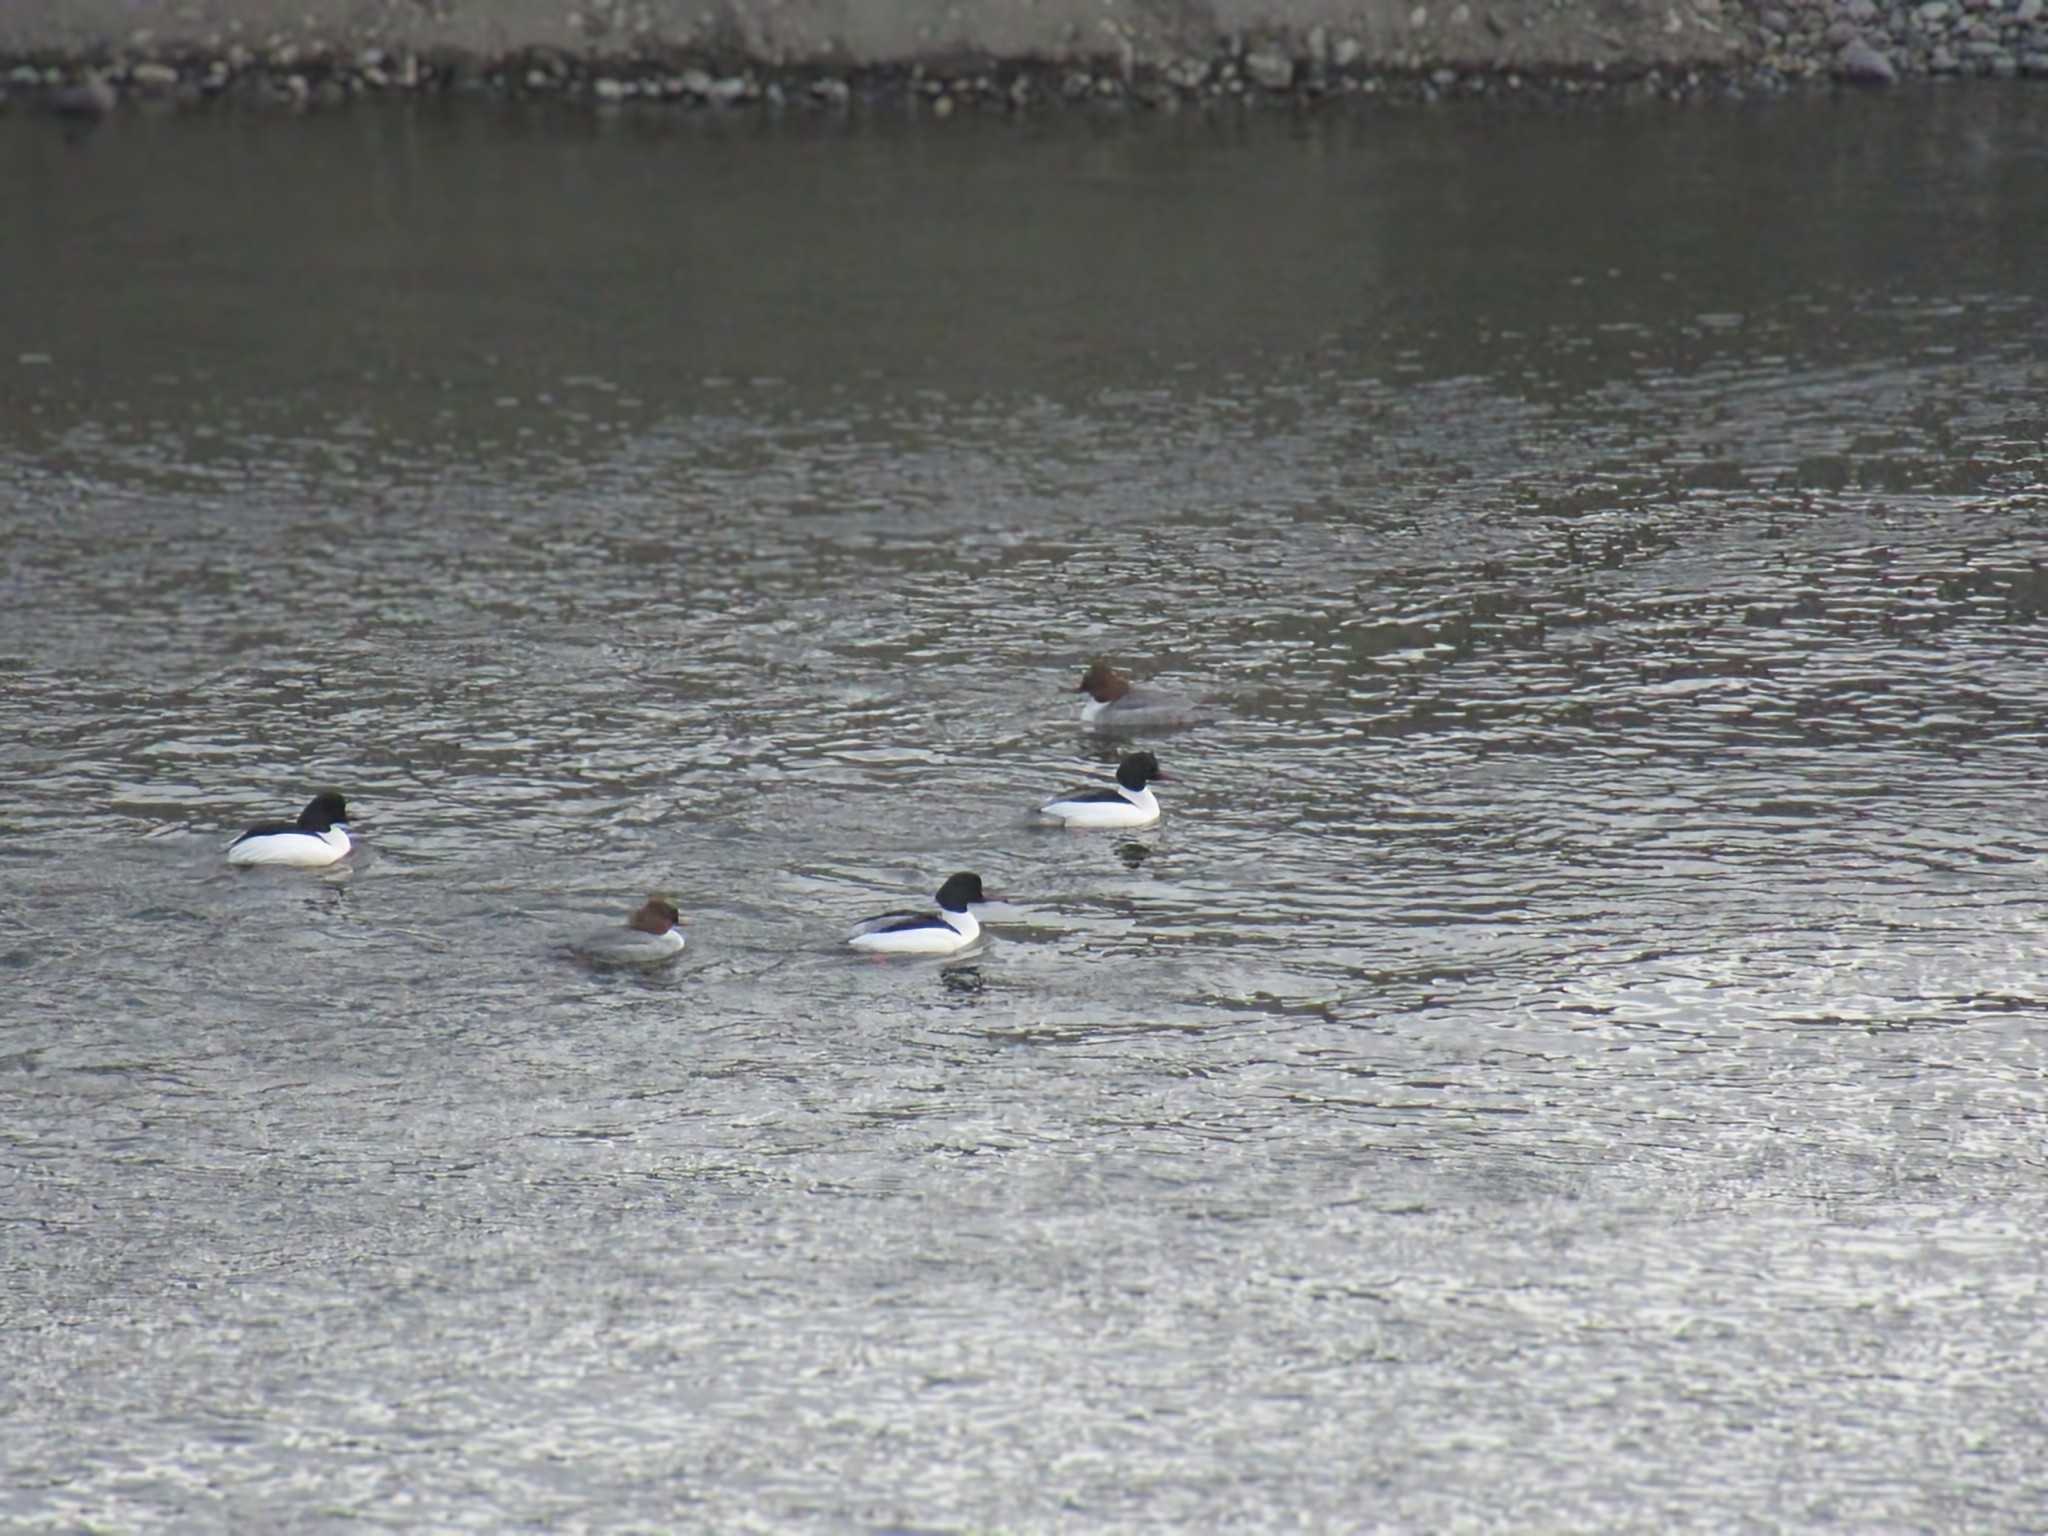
[(90, 97), (153, 77), (1865, 65), (1274, 71), (2027, 12)]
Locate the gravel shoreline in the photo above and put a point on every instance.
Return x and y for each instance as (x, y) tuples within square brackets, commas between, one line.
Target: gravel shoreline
[(1762, 48)]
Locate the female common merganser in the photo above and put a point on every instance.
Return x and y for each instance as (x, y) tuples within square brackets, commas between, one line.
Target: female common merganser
[(649, 937), (1114, 703), (1130, 804), (927, 933), (320, 836)]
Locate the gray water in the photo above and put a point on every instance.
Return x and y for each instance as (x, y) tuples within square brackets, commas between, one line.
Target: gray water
[(1571, 1056)]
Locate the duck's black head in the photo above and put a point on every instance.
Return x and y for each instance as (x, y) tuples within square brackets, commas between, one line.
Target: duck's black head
[(1138, 770), (326, 810), (960, 890)]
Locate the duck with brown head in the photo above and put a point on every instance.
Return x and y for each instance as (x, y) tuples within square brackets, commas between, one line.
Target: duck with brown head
[(1115, 703), (648, 937)]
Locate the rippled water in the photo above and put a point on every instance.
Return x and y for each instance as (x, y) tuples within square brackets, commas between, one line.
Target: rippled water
[(1572, 1055)]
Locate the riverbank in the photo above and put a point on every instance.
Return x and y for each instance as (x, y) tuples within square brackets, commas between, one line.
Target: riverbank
[(944, 55)]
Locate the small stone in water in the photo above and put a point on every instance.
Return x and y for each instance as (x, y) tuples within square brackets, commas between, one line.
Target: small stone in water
[(1865, 65), (1274, 71), (91, 97)]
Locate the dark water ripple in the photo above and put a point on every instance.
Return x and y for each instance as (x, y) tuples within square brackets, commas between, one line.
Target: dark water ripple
[(1571, 1056)]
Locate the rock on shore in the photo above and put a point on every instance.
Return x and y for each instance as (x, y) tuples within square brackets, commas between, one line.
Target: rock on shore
[(938, 56)]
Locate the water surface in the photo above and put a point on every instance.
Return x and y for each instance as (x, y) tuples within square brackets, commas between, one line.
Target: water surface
[(1570, 1057)]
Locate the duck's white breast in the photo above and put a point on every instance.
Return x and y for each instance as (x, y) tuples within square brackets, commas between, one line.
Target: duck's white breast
[(304, 850)]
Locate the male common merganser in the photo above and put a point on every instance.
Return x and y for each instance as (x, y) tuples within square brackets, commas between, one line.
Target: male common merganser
[(1130, 804), (319, 836), (649, 937), (1115, 703), (926, 933)]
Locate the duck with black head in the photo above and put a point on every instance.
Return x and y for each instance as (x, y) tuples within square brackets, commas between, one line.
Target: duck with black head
[(952, 927), (1129, 802), (317, 838)]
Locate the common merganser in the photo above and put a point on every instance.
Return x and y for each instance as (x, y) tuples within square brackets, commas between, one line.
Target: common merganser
[(319, 836), (926, 933), (648, 937), (1116, 703), (1130, 804)]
